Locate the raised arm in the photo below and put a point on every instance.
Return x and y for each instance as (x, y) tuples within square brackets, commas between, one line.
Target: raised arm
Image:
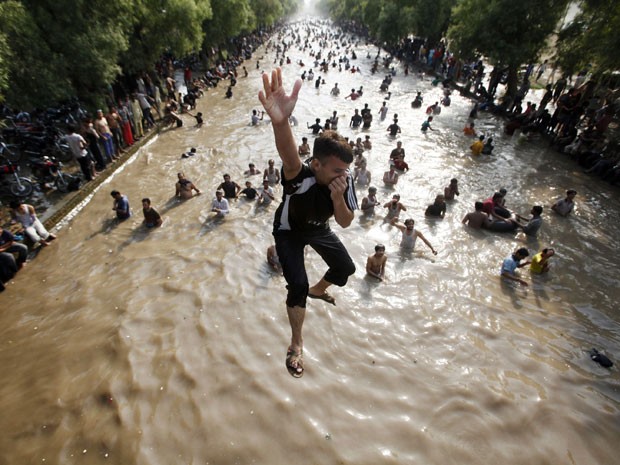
[(279, 107)]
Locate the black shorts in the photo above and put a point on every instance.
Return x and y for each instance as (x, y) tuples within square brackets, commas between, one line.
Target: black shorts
[(290, 246)]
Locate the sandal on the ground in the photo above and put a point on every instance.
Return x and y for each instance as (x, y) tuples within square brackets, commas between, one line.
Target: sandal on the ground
[(296, 370), (325, 296)]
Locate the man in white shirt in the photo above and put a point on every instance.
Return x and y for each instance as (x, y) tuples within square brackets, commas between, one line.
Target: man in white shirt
[(220, 204), (266, 194), (78, 145)]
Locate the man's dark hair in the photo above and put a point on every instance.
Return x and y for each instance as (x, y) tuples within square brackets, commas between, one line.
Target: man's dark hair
[(14, 204), (114, 193), (379, 247), (497, 196), (571, 191), (537, 209), (147, 200), (522, 252), (331, 144), (479, 206)]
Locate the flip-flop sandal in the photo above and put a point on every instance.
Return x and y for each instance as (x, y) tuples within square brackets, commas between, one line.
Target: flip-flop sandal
[(294, 371), (325, 296)]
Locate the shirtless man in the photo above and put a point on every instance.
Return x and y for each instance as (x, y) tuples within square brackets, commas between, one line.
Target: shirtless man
[(451, 190), (184, 187), (252, 170), (410, 234), (478, 218), (375, 265), (367, 143)]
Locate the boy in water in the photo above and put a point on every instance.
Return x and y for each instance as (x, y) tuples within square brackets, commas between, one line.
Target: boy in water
[(313, 192), (375, 265)]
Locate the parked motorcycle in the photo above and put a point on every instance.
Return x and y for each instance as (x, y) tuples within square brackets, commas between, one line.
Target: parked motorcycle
[(48, 171), (17, 185)]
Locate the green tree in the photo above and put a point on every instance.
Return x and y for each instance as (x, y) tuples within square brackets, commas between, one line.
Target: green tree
[(230, 18), (159, 26), (508, 33), (56, 56), (267, 12), (591, 39)]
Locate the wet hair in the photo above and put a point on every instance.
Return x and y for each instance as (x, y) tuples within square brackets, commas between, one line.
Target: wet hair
[(453, 181), (571, 191), (478, 206), (331, 144), (547, 250), (147, 200), (522, 251), (537, 209), (379, 247), (226, 175), (114, 193), (409, 221)]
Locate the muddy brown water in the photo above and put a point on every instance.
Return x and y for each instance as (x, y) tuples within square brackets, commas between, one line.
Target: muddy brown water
[(123, 346)]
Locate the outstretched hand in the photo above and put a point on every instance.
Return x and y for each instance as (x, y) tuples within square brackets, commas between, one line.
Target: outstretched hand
[(277, 104)]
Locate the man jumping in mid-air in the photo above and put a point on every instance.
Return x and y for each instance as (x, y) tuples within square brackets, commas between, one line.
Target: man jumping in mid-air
[(313, 192)]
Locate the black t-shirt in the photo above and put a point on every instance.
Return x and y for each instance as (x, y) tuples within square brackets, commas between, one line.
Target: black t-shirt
[(394, 128), (356, 120), (250, 193), (229, 188), (306, 205), (435, 209), (6, 237)]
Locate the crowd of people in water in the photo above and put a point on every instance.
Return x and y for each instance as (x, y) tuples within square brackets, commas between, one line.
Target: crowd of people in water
[(577, 127)]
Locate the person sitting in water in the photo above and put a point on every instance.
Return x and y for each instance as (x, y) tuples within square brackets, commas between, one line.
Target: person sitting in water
[(477, 147), (534, 223), (266, 195), (565, 206), (120, 205), (494, 206), (304, 149), (252, 170), (370, 202), (362, 175), (417, 102), (469, 130), (477, 219), (426, 125), (451, 190), (394, 207), (394, 128), (256, 118), (272, 174), (220, 205), (375, 264), (390, 177), (152, 218), (488, 147), (231, 188), (316, 127), (437, 208), (184, 188), (249, 191), (191, 153), (513, 262), (367, 143), (410, 234), (540, 261)]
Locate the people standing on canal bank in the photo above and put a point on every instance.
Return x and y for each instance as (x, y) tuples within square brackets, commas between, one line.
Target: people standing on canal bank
[(314, 192)]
